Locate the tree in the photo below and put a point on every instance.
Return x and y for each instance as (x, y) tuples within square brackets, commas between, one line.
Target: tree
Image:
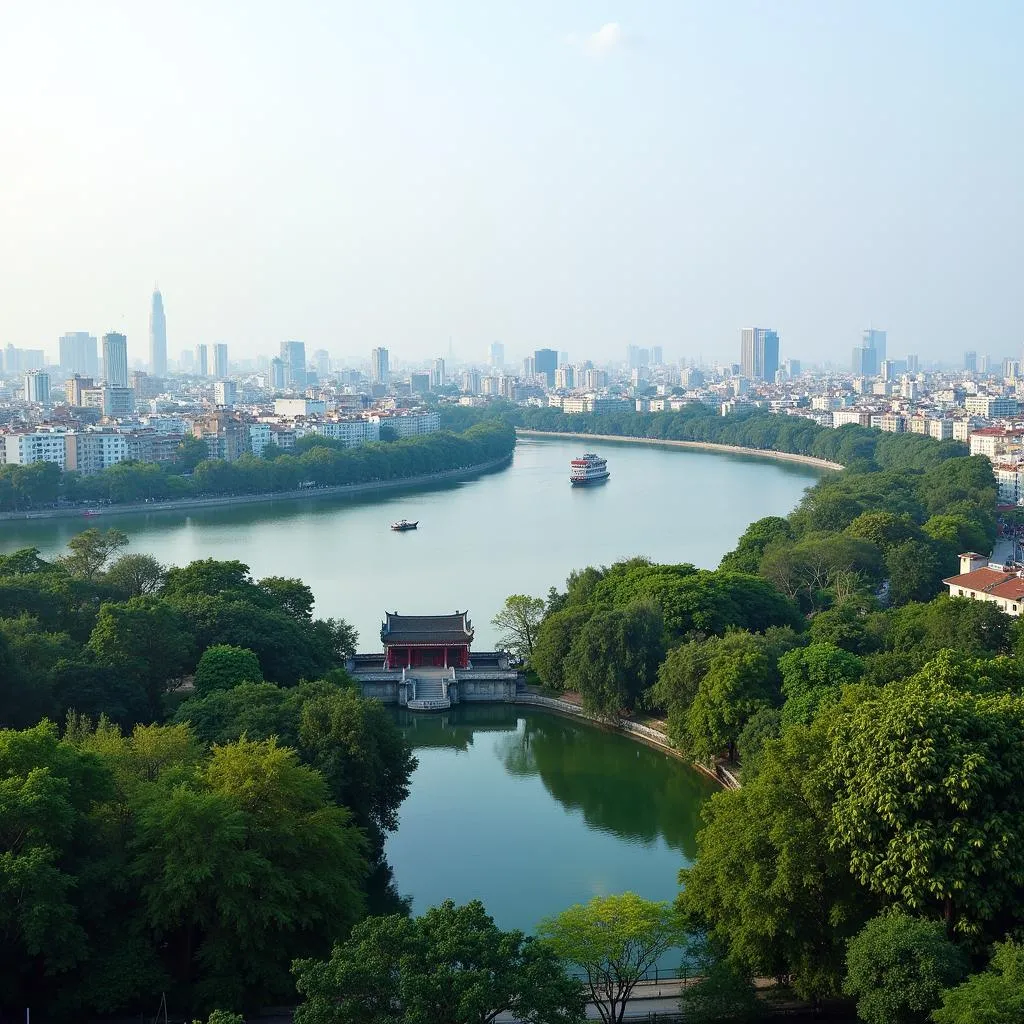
[(554, 639), (721, 993), (915, 572), (765, 886), (450, 966), (897, 967), (614, 657), (135, 575), (222, 667), (90, 551), (518, 622), (615, 940), (814, 675), (929, 781), (146, 638), (995, 996)]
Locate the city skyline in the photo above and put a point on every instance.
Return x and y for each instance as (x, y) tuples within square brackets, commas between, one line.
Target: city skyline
[(389, 179)]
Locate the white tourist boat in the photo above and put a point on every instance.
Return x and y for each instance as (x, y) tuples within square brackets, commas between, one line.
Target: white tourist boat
[(588, 469)]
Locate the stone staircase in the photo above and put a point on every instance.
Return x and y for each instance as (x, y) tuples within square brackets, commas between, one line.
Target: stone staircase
[(430, 690)]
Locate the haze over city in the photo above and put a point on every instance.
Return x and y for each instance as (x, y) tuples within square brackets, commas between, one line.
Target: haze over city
[(576, 176)]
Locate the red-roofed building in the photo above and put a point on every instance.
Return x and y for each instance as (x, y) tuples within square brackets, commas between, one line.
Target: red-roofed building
[(978, 581)]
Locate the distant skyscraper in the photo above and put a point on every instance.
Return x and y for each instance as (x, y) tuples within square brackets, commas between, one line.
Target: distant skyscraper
[(759, 353), (863, 362), (225, 393), (293, 355), (657, 356), (220, 360), (157, 337), (637, 358), (545, 360), (322, 362), (529, 367), (380, 370), (912, 364), (37, 387), (115, 359), (971, 362), (792, 368), (278, 374), (437, 374), (78, 353), (202, 361), (875, 340), (497, 354)]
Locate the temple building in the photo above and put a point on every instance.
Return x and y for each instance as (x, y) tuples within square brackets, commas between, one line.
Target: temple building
[(426, 641)]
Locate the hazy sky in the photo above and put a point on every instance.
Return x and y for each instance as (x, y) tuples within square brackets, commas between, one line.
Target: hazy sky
[(577, 174)]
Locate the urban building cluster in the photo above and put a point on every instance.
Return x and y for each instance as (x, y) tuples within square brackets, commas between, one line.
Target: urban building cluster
[(96, 407)]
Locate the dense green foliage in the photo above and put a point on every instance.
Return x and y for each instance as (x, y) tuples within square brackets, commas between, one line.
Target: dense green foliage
[(994, 996), (316, 462), (450, 966), (199, 857)]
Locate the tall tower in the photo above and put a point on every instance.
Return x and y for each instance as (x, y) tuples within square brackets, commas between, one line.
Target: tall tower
[(157, 337), (293, 355), (759, 353), (115, 359), (202, 363), (380, 370), (220, 360)]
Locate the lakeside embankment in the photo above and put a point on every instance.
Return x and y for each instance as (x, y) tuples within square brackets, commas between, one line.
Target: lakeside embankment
[(727, 449), (339, 491), (636, 730)]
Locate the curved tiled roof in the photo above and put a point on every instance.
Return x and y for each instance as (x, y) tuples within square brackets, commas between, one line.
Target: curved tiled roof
[(426, 629)]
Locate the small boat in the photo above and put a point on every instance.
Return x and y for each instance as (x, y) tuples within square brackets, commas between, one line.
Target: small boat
[(90, 512), (588, 469), (403, 524)]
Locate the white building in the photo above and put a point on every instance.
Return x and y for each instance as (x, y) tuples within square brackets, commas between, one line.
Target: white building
[(292, 407), (23, 449), (225, 393), (351, 433), (410, 424), (981, 582), (841, 417), (992, 407), (37, 387), (89, 451)]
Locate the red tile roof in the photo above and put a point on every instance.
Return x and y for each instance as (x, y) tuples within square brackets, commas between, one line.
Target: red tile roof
[(1006, 585)]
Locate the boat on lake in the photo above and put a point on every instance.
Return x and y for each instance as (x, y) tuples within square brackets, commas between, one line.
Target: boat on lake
[(588, 469), (403, 524)]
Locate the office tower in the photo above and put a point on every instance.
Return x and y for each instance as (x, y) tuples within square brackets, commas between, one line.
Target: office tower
[(565, 378), (23, 360), (657, 356), (202, 363), (419, 383), (759, 353), (293, 355), (912, 364), (545, 361), (278, 374), (380, 369), (792, 368), (225, 393), (322, 362), (78, 353), (115, 359), (471, 382), (691, 377), (637, 358), (497, 354), (74, 387), (437, 374), (971, 362), (875, 340), (37, 387), (887, 370), (220, 360), (863, 362), (529, 367), (157, 337)]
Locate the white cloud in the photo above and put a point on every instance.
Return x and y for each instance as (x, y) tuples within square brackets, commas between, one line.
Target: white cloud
[(607, 38)]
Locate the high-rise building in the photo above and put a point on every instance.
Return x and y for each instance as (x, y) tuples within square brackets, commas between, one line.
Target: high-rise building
[(437, 374), (322, 362), (971, 362), (637, 358), (913, 364), (157, 337), (657, 356), (759, 353), (23, 360), (497, 355), (529, 367), (863, 362), (419, 383), (792, 368), (278, 374), (220, 360), (115, 359), (380, 370), (78, 353), (37, 387), (225, 393), (202, 364), (545, 361), (565, 378), (875, 340), (74, 387), (293, 355), (471, 382)]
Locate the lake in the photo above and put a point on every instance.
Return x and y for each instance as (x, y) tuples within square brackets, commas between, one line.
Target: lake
[(520, 530)]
